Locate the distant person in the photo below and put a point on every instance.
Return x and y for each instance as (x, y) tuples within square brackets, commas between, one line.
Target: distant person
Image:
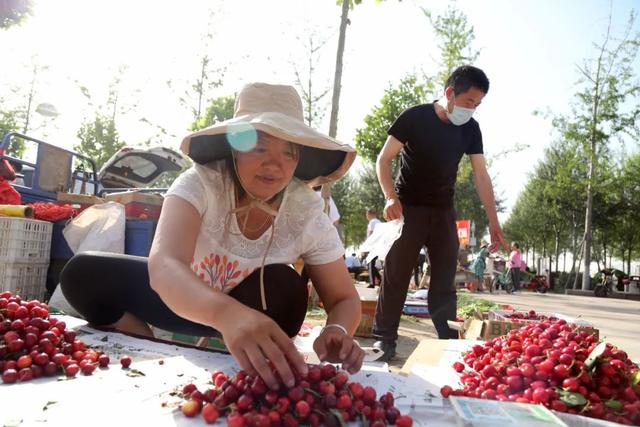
[(374, 273), (353, 264), (418, 271), (431, 140), (333, 212), (480, 264), (515, 263)]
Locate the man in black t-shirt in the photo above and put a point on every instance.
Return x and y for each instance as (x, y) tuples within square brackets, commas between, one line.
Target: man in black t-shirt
[(431, 139)]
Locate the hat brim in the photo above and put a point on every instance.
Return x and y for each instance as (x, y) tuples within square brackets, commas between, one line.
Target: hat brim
[(322, 158)]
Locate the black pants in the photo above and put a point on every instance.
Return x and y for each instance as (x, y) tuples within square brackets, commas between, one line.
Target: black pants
[(436, 229), (102, 287), (374, 274)]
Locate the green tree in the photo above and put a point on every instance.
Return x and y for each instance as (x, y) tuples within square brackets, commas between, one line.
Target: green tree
[(99, 139), (455, 37), (14, 12), (396, 99), (219, 109), (9, 123), (627, 218), (601, 113)]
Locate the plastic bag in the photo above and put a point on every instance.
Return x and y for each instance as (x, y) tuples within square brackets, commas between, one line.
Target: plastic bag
[(380, 241), (98, 228), (8, 194)]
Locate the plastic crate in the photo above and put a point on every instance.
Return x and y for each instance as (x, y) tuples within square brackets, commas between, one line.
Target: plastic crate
[(24, 240), (138, 236), (25, 279)]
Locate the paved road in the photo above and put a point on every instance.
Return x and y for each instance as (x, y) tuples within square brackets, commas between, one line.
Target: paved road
[(618, 320)]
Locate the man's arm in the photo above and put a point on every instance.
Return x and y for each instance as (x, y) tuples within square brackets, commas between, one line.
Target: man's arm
[(391, 148), (484, 187)]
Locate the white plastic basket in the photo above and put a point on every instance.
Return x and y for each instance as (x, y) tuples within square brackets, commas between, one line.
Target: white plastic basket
[(24, 240), (27, 280)]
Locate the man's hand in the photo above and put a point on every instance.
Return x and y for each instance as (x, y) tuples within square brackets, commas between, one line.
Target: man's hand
[(334, 346), (497, 238), (392, 210)]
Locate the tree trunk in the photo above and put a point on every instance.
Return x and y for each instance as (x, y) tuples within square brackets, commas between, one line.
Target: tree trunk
[(575, 281), (564, 260), (337, 85), (629, 262), (557, 251)]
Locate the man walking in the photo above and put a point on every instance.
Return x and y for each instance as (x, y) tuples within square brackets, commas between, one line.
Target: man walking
[(431, 139)]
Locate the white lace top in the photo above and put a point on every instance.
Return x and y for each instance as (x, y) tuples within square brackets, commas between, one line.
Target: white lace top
[(224, 256)]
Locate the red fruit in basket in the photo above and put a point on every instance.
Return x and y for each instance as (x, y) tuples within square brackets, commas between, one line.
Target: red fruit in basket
[(49, 369), (296, 394), (340, 379), (103, 360), (245, 402), (210, 413), (9, 376), (369, 395), (356, 389), (315, 374), (561, 371), (191, 408), (328, 371), (283, 405), (187, 389), (326, 388), (69, 336), (404, 421), (5, 325), (71, 370), (125, 361), (24, 362), (21, 313), (446, 391), (571, 384), (303, 409), (458, 367), (344, 402), (235, 420), (15, 345), (18, 325), (25, 374), (219, 380), (88, 368), (10, 336), (258, 387), (289, 420)]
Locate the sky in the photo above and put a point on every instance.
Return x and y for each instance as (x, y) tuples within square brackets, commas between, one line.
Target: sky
[(529, 49)]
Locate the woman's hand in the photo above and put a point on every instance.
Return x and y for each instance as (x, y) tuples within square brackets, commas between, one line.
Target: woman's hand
[(334, 346), (254, 339)]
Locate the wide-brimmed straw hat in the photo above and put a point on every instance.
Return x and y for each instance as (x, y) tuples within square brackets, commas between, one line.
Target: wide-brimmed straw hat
[(276, 110)]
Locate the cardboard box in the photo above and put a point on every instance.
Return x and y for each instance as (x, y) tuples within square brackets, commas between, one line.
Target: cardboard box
[(488, 329), (139, 205), (369, 302), (79, 201)]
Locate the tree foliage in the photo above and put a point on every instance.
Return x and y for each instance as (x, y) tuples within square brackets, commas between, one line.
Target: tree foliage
[(14, 12), (219, 109), (99, 139)]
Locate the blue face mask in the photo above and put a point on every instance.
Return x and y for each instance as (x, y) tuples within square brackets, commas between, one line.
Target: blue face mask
[(460, 115)]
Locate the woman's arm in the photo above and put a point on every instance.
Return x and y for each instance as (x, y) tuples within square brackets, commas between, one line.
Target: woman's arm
[(342, 303), (250, 336)]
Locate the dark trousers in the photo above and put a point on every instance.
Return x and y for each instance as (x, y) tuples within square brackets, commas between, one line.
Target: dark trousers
[(102, 287), (436, 229), (374, 274), (515, 278)]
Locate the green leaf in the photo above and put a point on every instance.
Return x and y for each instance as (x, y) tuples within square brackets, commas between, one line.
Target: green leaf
[(12, 423), (338, 416), (572, 399), (135, 373), (614, 404), (49, 403), (590, 362), (635, 378)]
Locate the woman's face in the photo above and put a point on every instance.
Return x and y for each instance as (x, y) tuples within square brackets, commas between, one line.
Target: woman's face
[(268, 168)]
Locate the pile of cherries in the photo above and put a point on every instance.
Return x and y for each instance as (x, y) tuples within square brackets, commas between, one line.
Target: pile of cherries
[(32, 344), (531, 315), (323, 397), (554, 364)]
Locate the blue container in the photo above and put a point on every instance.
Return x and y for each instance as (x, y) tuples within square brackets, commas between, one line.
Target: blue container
[(138, 236), (59, 247)]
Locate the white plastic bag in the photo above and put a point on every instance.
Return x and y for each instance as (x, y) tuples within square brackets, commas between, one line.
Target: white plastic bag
[(98, 228), (380, 241)]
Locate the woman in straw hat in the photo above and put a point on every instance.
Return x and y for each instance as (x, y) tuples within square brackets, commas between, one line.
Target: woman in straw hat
[(230, 228)]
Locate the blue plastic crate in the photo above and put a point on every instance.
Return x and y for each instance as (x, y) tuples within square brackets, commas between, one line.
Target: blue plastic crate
[(138, 236)]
